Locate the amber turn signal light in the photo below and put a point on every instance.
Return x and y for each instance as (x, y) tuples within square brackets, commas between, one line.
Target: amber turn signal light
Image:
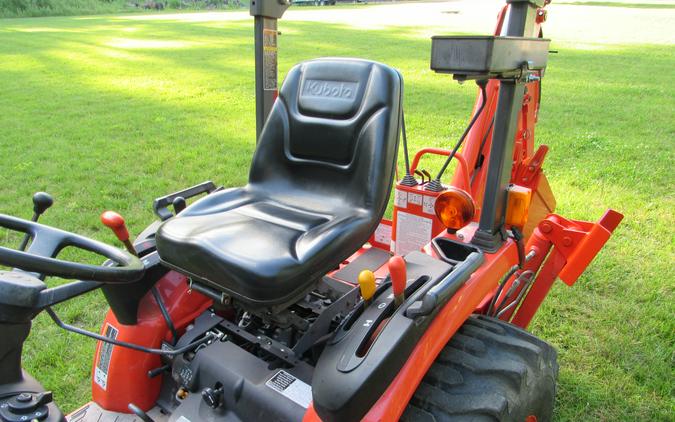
[(518, 205), (455, 208)]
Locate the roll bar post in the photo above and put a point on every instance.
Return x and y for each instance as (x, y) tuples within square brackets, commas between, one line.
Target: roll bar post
[(266, 13)]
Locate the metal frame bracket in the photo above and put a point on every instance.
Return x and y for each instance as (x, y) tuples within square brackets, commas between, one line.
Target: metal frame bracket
[(578, 241), (269, 8)]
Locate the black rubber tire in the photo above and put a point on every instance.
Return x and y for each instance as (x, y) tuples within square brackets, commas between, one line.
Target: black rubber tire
[(489, 371)]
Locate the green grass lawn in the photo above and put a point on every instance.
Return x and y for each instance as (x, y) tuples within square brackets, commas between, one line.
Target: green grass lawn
[(109, 113)]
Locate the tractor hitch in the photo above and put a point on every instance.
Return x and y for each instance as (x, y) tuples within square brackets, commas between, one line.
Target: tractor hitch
[(573, 245)]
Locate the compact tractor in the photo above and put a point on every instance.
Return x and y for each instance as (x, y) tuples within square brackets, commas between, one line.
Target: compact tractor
[(292, 298)]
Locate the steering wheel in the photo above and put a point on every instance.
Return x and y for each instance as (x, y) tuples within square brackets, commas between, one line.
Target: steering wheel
[(48, 242)]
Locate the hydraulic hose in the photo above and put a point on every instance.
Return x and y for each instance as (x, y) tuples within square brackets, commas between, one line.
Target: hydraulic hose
[(435, 185)]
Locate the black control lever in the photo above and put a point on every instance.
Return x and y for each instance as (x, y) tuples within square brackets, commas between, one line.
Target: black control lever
[(26, 407), (212, 397), (179, 204), (160, 206), (140, 413), (42, 201)]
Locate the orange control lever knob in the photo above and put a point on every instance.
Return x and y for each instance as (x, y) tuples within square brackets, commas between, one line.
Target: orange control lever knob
[(116, 223), (399, 278)]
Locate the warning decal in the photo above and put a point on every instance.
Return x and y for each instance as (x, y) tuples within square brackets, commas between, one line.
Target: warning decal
[(291, 387), (429, 203), (270, 59), (383, 234), (400, 198), (104, 356), (415, 198), (412, 232)]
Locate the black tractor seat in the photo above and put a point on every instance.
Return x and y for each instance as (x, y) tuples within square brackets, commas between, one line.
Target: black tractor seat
[(318, 186)]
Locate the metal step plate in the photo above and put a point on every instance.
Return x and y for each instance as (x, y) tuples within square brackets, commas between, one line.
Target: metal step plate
[(92, 412)]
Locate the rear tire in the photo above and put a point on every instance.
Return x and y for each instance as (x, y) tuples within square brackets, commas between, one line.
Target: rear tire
[(489, 371)]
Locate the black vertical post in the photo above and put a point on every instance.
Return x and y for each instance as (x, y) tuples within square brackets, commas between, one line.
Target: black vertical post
[(520, 23), (266, 13), (266, 85)]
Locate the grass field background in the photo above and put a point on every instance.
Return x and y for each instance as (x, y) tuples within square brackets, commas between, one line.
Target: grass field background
[(109, 113)]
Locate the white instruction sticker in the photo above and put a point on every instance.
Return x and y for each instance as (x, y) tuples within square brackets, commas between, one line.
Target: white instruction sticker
[(104, 356), (291, 387), (383, 234), (401, 198), (415, 198), (428, 206), (412, 232)]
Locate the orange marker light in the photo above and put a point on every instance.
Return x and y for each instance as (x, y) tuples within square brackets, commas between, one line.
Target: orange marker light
[(518, 205), (455, 208), (367, 284)]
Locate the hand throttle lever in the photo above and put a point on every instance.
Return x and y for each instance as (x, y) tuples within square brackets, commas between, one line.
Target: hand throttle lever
[(399, 278), (116, 223)]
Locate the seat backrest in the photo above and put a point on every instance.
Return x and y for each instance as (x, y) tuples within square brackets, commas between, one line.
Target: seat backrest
[(331, 138)]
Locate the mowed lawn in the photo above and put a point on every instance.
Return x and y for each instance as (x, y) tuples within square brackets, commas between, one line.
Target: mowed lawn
[(109, 113)]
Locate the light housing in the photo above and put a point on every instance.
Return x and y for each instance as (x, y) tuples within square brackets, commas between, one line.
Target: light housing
[(455, 208), (518, 206)]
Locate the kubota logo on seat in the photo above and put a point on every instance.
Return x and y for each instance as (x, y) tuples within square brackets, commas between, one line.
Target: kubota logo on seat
[(330, 89)]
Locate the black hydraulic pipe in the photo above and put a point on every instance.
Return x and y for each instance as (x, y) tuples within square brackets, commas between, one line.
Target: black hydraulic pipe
[(408, 179), (435, 185), (175, 352), (165, 314)]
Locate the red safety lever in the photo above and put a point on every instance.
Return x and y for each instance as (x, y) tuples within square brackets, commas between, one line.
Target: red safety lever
[(399, 278), (116, 223)]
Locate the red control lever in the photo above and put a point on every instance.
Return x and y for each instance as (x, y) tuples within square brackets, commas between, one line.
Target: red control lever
[(399, 278), (116, 223)]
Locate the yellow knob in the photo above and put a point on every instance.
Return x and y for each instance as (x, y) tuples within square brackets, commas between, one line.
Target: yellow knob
[(367, 284)]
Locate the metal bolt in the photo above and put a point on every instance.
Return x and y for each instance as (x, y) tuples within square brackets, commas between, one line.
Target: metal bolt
[(24, 397), (567, 241), (546, 227)]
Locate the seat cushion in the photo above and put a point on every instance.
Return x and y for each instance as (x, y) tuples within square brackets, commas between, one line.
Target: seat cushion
[(255, 249)]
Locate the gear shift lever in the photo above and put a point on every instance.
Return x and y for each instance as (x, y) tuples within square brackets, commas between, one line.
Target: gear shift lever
[(41, 203)]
